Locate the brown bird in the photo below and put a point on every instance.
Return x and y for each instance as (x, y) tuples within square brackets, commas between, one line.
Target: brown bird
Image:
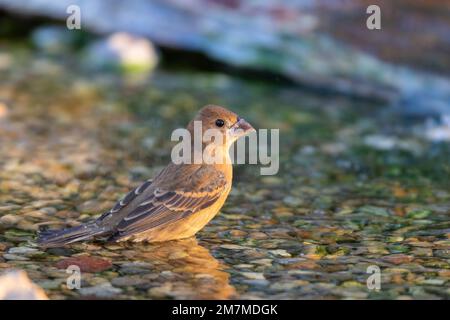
[(178, 202)]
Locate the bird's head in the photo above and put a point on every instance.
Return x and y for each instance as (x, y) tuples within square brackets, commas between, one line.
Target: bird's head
[(219, 120)]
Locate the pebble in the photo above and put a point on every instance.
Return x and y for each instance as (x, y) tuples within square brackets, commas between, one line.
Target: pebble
[(104, 290), (23, 250), (280, 252), (128, 281), (133, 270), (253, 275), (256, 282), (86, 263), (51, 284), (233, 247), (9, 220), (160, 292), (397, 258), (263, 262), (282, 286), (9, 256), (292, 201), (258, 235), (433, 282), (48, 211), (10, 207), (238, 233)]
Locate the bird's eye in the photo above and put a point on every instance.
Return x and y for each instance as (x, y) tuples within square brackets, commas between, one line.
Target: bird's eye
[(220, 123)]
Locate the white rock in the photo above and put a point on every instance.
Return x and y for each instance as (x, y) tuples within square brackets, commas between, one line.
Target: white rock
[(123, 50)]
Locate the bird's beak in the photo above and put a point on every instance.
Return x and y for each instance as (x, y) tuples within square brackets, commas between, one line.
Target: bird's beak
[(241, 128)]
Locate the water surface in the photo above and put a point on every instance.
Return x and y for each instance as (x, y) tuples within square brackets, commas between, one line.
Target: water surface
[(359, 185)]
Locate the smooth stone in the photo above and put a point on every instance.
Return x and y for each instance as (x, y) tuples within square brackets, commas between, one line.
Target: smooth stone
[(258, 235), (104, 290), (160, 292), (9, 207), (398, 258), (282, 286), (263, 262), (8, 256), (444, 253), (244, 266), (49, 210), (237, 233), (257, 282), (51, 284), (253, 275), (280, 252), (233, 247), (22, 250), (9, 220), (85, 263), (434, 282), (128, 281), (292, 201)]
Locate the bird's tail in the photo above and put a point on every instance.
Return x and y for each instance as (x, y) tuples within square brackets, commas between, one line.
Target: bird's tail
[(58, 238)]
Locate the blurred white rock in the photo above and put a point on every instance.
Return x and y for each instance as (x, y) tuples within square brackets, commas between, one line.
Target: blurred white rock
[(123, 50), (15, 285), (438, 132)]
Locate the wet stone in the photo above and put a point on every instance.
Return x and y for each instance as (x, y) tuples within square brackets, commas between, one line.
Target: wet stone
[(104, 290), (51, 284), (445, 253), (59, 251), (9, 220), (8, 208), (292, 201), (160, 292), (398, 258), (135, 268), (232, 247), (129, 281), (253, 275), (16, 257), (85, 263), (258, 235), (256, 282)]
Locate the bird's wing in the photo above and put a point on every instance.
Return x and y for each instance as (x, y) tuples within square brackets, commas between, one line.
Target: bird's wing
[(125, 201), (179, 193)]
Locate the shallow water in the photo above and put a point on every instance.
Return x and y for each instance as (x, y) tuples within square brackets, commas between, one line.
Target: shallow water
[(358, 186)]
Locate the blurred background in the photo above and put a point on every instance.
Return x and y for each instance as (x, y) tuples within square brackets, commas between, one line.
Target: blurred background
[(364, 119)]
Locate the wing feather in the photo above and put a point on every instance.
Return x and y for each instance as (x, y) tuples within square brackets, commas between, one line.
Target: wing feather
[(165, 206), (130, 196)]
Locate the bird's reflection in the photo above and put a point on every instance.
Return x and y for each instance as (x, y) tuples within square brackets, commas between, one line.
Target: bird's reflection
[(191, 271)]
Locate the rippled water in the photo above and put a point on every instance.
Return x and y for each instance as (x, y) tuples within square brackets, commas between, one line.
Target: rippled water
[(359, 186)]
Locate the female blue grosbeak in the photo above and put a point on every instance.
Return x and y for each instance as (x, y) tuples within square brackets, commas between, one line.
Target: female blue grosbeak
[(178, 202)]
